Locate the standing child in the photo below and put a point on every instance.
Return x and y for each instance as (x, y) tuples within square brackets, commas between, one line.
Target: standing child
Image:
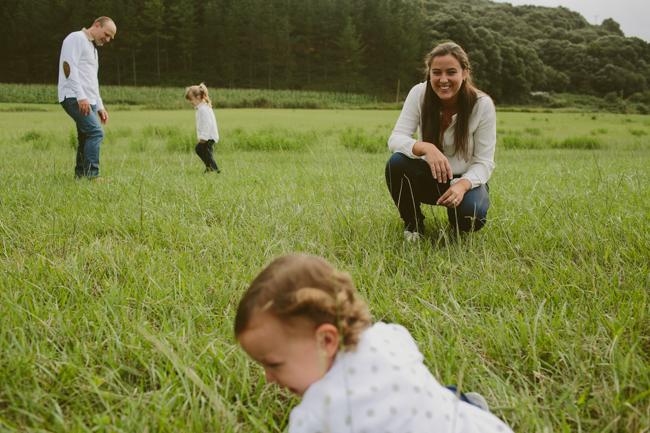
[(304, 323), (206, 125)]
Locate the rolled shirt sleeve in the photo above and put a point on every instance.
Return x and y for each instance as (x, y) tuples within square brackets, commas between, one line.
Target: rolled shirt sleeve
[(401, 139)]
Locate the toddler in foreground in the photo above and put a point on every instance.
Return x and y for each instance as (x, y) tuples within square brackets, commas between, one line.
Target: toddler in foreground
[(303, 321)]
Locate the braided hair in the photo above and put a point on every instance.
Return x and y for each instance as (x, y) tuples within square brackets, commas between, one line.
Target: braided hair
[(306, 286)]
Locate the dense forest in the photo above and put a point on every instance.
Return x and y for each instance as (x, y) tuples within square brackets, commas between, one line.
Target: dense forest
[(369, 46)]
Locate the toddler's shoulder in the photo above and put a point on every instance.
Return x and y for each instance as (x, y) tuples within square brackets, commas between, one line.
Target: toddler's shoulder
[(390, 334)]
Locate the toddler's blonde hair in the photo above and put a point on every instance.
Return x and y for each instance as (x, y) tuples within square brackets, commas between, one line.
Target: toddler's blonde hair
[(300, 285), (198, 91)]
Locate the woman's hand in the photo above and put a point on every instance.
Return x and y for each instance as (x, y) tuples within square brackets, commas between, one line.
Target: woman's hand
[(440, 167), (453, 197)]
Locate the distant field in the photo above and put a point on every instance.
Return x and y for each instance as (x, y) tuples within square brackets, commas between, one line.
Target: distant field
[(117, 299), (23, 96), (172, 98)]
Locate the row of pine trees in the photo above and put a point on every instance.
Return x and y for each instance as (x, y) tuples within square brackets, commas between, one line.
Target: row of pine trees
[(369, 46)]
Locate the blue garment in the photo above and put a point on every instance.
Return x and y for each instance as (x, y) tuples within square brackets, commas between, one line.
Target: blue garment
[(89, 135), (411, 183)]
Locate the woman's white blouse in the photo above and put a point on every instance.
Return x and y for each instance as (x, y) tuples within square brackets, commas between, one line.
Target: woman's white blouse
[(481, 138), (382, 387)]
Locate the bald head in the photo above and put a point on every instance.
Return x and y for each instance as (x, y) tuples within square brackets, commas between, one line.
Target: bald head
[(103, 30)]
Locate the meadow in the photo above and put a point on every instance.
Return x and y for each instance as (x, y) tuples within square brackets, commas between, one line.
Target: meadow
[(117, 299)]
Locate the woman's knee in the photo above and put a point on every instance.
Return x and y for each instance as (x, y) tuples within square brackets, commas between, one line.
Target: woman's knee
[(397, 163), (471, 215), (398, 167)]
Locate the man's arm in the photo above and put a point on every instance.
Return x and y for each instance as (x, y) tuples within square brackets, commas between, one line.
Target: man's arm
[(70, 56)]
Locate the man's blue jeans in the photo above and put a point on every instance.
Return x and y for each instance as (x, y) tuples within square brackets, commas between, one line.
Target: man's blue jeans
[(410, 183), (90, 136)]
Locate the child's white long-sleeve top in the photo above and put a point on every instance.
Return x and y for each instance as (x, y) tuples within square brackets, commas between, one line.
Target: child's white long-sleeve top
[(383, 386), (79, 78), (481, 138), (206, 123)]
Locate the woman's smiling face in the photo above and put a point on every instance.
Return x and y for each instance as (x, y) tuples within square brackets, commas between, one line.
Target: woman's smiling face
[(446, 76)]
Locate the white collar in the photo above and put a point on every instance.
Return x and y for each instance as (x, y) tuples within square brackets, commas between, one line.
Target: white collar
[(87, 34)]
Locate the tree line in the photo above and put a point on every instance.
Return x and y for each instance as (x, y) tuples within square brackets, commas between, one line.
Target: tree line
[(367, 46)]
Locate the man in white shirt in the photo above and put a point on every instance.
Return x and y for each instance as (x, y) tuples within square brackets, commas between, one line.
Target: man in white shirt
[(78, 91)]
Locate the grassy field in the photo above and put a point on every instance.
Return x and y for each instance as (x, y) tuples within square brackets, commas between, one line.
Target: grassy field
[(117, 299)]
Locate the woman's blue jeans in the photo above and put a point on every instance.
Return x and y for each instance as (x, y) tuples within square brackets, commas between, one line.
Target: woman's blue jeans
[(411, 183), (89, 135)]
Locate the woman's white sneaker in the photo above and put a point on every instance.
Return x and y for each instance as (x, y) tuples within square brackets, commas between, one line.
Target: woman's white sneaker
[(410, 236)]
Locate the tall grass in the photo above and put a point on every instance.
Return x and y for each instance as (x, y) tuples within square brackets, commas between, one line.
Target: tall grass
[(580, 142), (269, 139), (356, 138), (117, 299)]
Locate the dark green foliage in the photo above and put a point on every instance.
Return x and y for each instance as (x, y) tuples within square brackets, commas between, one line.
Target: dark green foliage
[(642, 108), (612, 26), (373, 47)]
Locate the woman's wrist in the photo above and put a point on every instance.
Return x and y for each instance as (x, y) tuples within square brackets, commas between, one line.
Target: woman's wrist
[(466, 184), (421, 148)]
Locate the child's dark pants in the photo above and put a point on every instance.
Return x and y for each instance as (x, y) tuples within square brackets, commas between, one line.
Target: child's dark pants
[(204, 149)]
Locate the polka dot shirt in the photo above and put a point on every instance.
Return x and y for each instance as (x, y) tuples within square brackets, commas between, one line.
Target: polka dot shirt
[(384, 387)]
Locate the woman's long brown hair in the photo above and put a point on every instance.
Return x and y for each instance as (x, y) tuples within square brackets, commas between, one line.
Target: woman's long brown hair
[(432, 106)]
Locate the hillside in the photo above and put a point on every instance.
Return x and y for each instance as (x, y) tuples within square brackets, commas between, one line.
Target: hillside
[(373, 47)]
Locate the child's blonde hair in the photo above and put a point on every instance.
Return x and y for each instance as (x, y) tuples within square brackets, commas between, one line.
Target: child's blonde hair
[(305, 286), (198, 91)]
